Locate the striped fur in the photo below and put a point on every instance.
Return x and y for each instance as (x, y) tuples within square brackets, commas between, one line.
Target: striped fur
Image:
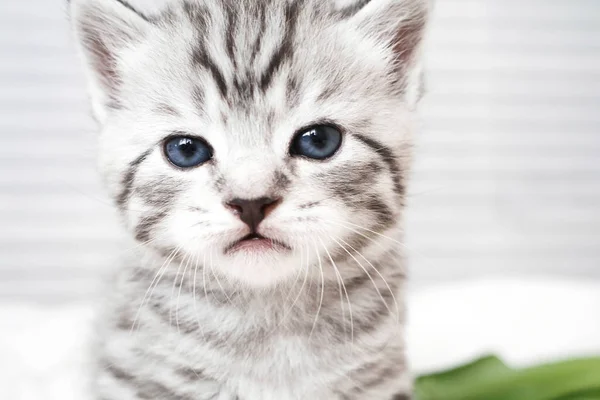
[(187, 320)]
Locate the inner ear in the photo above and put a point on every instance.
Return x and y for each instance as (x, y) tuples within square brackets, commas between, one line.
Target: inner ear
[(101, 58), (399, 25), (408, 37), (104, 28)]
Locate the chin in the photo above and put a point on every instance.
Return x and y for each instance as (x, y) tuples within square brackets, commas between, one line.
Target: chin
[(259, 266)]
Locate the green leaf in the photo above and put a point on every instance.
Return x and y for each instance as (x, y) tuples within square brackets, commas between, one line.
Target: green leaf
[(436, 386), (489, 379), (586, 395)]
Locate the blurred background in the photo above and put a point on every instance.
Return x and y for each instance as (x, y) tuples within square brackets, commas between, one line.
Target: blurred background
[(503, 222), (507, 173)]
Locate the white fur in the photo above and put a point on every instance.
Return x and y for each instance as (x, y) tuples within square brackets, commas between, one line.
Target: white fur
[(154, 66)]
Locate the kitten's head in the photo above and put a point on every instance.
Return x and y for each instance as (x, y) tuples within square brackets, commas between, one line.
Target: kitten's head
[(255, 136)]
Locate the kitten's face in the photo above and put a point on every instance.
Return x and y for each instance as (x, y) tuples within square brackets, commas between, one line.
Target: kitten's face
[(256, 140)]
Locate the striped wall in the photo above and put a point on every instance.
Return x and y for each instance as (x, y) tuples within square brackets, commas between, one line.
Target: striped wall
[(507, 174)]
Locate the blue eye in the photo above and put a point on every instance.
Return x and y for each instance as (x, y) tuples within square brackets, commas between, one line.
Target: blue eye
[(318, 142), (187, 152)]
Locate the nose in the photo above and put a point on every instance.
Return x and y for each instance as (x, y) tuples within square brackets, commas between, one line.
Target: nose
[(253, 211)]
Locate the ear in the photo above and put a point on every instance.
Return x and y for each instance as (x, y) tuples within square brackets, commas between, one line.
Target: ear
[(400, 25), (104, 28)]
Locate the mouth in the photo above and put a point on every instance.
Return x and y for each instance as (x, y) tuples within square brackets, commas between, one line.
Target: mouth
[(256, 243)]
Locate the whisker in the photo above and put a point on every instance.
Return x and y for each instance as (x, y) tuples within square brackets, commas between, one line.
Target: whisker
[(343, 285), (189, 259), (286, 312), (322, 290), (164, 270), (366, 272), (366, 229), (217, 279), (289, 292), (204, 276), (150, 289), (381, 246), (173, 289), (378, 273), (195, 300), (141, 244)]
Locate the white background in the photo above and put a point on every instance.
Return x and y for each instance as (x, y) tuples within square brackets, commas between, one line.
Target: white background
[(507, 174)]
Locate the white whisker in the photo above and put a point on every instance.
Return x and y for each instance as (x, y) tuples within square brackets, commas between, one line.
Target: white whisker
[(366, 272), (366, 229), (322, 290), (217, 279), (204, 276), (285, 314), (154, 282), (341, 280), (289, 292), (194, 298), (378, 273), (189, 259), (183, 260), (381, 245)]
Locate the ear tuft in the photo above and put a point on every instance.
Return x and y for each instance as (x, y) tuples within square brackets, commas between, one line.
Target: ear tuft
[(409, 34), (401, 26), (104, 28)]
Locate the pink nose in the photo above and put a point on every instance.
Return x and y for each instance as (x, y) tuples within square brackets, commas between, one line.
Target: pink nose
[(252, 212)]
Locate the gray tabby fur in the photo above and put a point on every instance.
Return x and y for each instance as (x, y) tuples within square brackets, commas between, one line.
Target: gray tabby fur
[(184, 320)]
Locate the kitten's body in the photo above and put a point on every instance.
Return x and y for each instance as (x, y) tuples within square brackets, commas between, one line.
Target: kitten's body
[(190, 344), (318, 316)]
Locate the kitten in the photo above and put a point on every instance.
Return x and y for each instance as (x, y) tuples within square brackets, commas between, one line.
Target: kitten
[(257, 150)]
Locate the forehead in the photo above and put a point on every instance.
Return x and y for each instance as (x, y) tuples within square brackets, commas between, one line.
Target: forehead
[(243, 48), (256, 66)]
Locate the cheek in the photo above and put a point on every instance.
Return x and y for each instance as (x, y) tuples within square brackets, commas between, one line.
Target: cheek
[(199, 212), (361, 188), (173, 207), (189, 231), (193, 230), (349, 201), (326, 198)]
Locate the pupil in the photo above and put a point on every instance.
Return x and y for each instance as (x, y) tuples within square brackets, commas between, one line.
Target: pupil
[(318, 138), (187, 147)]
